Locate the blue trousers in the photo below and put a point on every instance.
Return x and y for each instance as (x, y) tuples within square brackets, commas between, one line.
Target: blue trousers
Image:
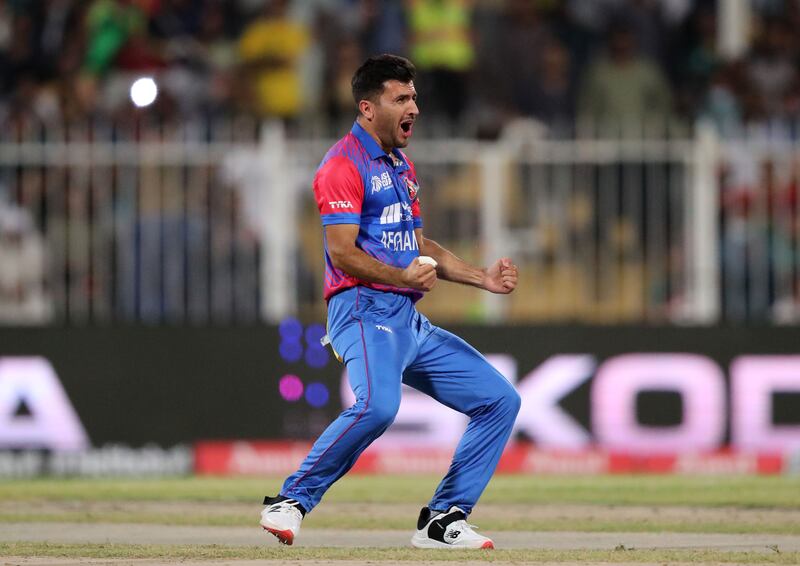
[(385, 342)]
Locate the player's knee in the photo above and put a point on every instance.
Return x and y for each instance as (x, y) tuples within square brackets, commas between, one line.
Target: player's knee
[(510, 401), (382, 415)]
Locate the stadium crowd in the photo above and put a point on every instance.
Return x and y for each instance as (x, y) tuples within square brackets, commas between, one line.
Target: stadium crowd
[(612, 64), (483, 62)]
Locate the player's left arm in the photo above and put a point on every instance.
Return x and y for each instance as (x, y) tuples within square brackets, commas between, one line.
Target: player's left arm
[(501, 277)]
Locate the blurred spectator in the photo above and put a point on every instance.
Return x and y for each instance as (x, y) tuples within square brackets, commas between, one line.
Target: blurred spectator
[(595, 15), (521, 41), (541, 83), (552, 98), (782, 190), (22, 290), (701, 61), (271, 48), (69, 244), (790, 109), (17, 54), (6, 31), (112, 27), (382, 27), (442, 50), (199, 58), (60, 24), (722, 104), (234, 249), (116, 38), (598, 15), (177, 18), (654, 22), (772, 68), (217, 57), (338, 92), (623, 91)]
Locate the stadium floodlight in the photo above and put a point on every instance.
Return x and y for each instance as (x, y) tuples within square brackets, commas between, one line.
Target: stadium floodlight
[(144, 91)]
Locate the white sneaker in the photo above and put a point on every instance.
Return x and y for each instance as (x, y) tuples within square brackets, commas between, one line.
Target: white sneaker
[(447, 530), (282, 518)]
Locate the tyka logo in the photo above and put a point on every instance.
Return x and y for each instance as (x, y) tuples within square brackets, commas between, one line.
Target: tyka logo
[(340, 204)]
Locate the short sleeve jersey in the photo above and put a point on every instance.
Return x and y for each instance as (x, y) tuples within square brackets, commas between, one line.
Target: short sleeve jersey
[(359, 183)]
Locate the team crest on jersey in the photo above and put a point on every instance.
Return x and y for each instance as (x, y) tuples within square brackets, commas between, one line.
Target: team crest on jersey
[(413, 188)]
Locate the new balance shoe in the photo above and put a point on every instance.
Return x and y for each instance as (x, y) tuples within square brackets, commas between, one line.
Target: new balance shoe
[(282, 517), (447, 530)]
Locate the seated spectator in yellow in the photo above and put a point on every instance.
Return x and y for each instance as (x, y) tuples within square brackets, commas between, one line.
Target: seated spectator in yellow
[(271, 48)]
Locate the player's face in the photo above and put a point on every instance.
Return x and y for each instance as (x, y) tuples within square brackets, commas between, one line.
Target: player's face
[(395, 114)]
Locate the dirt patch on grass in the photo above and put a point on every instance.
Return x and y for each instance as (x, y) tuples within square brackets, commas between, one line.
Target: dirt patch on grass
[(403, 516), (23, 561)]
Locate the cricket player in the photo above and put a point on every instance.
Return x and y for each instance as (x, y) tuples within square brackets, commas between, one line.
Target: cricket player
[(378, 265)]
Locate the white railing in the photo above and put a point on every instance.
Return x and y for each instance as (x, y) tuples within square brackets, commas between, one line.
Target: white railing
[(134, 225), (197, 225), (759, 238)]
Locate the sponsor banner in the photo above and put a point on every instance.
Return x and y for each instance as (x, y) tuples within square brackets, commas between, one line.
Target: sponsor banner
[(249, 458), (559, 462), (109, 461), (283, 458), (590, 392)]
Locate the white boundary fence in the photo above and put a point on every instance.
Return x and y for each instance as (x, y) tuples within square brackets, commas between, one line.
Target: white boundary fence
[(217, 225)]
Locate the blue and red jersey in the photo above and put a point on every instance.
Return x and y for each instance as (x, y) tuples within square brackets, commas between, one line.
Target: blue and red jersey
[(359, 183)]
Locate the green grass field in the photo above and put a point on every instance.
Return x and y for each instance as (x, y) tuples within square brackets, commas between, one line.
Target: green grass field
[(536, 504), (715, 491), (378, 555)]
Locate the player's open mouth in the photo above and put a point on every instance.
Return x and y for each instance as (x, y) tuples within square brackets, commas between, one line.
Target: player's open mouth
[(407, 126)]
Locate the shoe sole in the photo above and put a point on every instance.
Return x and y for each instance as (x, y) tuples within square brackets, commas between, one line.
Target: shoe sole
[(285, 537), (430, 543)]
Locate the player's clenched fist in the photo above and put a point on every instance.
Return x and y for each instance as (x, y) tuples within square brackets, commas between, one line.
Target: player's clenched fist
[(501, 277), (419, 276)]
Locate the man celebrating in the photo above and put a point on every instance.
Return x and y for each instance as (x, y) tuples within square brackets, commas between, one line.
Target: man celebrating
[(378, 264)]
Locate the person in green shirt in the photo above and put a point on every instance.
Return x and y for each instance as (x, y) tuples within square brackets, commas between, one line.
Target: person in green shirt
[(623, 92)]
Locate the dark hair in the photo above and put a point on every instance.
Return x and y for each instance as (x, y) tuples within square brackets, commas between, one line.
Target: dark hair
[(368, 80)]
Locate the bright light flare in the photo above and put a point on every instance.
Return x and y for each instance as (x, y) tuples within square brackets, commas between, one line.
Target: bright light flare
[(144, 92)]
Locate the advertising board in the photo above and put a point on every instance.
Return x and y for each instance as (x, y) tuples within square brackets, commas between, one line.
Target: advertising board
[(610, 393)]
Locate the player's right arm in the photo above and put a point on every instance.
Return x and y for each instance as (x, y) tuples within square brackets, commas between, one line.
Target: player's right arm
[(339, 191)]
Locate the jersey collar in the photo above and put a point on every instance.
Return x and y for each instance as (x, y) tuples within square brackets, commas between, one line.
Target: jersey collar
[(374, 150)]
